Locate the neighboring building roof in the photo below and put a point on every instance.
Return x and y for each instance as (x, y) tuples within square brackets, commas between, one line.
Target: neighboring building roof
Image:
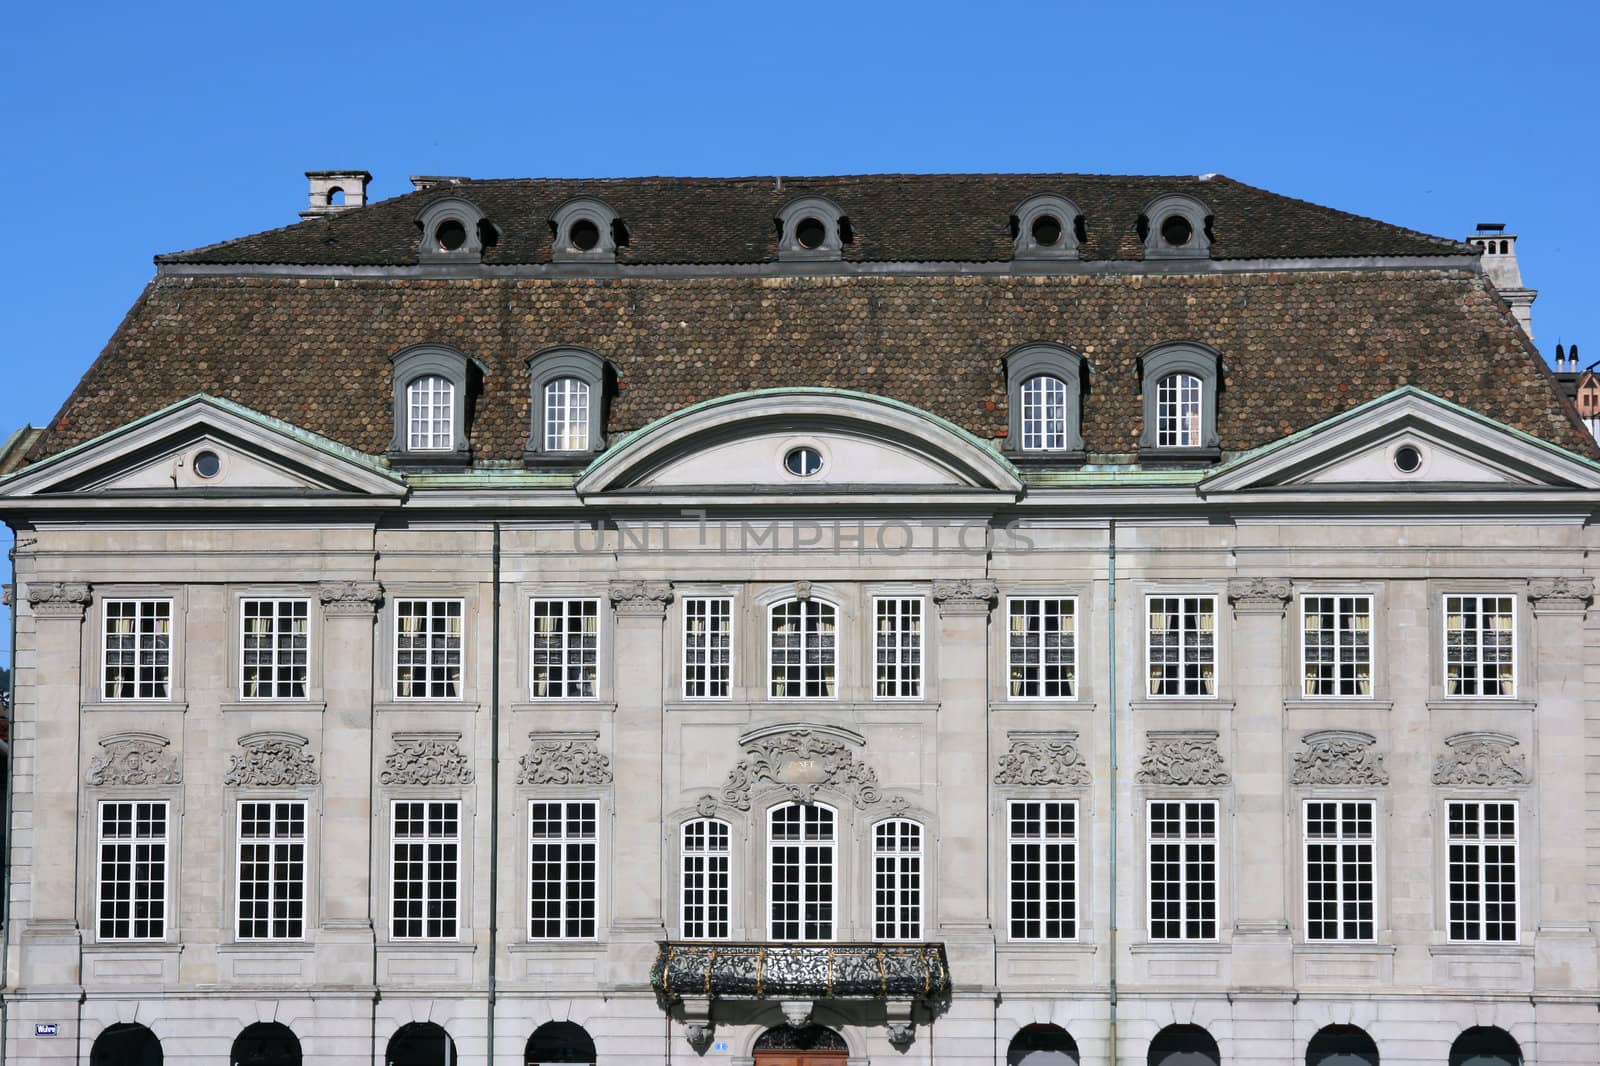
[(895, 218)]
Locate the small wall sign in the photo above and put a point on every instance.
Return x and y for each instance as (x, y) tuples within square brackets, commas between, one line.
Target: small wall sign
[(720, 1045), (44, 1029)]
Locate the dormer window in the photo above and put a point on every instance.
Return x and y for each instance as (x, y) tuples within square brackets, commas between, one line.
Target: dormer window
[(1044, 382), (454, 230), (1176, 226), (1046, 227), (1180, 402), (586, 230), (1178, 411), (432, 385), (569, 394), (812, 228), (430, 401)]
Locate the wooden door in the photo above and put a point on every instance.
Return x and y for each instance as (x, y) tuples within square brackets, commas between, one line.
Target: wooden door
[(802, 1058)]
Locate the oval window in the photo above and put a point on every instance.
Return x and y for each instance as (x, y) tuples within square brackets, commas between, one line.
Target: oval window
[(207, 464), (1407, 459), (803, 462)]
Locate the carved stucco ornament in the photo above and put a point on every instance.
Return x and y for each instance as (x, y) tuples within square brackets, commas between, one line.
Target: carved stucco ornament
[(706, 806), (1258, 593), (1039, 758), (1338, 757), (1561, 595), (564, 759), (640, 597), (1182, 758), (135, 759), (59, 599), (801, 762), (350, 597), (426, 759), (271, 760), (965, 596), (1481, 759)]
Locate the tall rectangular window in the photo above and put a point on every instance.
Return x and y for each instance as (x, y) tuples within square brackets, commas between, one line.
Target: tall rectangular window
[(275, 649), (427, 649), (132, 903), (1042, 838), (1183, 869), (1339, 869), (137, 653), (800, 850), (897, 647), (803, 648), (1044, 414), (1178, 411), (1042, 648), (565, 651), (1336, 642), (707, 647), (272, 870), (897, 880), (1482, 847), (431, 403), (1182, 646), (1480, 645), (561, 869), (425, 870), (707, 851), (566, 415)]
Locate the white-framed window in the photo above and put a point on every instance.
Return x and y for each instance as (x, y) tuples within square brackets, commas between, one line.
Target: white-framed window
[(1042, 853), (425, 870), (707, 647), (430, 412), (427, 649), (566, 415), (802, 843), (564, 649), (1178, 411), (1480, 645), (1183, 869), (137, 650), (1182, 646), (272, 870), (274, 649), (1044, 414), (707, 892), (1336, 645), (1042, 647), (897, 642), (1340, 869), (897, 880), (562, 855), (1482, 861), (803, 650), (131, 903)]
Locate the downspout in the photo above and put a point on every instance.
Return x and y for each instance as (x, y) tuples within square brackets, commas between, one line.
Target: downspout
[(5, 810), (494, 787), (1111, 695)]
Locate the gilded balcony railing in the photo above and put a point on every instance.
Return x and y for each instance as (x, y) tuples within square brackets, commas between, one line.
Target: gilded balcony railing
[(727, 970)]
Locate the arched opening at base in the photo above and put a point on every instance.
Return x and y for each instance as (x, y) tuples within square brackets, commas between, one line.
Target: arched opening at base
[(1042, 1045), (125, 1044), (420, 1044), (1184, 1045), (265, 1044), (1485, 1045), (559, 1042), (810, 1045), (1341, 1045)]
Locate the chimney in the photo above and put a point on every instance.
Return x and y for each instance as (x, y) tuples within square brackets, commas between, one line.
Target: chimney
[(1561, 359), (333, 191), (1499, 262)]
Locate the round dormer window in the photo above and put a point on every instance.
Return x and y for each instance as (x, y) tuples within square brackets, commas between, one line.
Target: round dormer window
[(803, 462), (811, 232), (1176, 230), (207, 464), (1407, 459), (585, 235), (1047, 230), (451, 235)]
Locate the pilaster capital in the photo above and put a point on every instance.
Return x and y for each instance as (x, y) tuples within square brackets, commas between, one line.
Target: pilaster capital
[(59, 599), (645, 598), (1258, 595), (1560, 595), (356, 598), (967, 596)]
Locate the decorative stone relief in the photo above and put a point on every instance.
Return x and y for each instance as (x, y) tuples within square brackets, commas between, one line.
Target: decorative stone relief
[(426, 759), (271, 760), (1258, 593), (897, 806), (350, 597), (1042, 759), (801, 762), (1182, 758), (59, 599), (564, 759), (802, 590), (1337, 757), (699, 1034), (1561, 595), (966, 595), (1481, 759), (640, 597), (705, 806), (136, 759)]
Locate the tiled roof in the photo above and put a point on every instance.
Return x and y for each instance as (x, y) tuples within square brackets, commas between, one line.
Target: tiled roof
[(1298, 346), (895, 218)]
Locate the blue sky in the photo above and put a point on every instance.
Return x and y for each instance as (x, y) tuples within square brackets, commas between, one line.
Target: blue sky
[(134, 129)]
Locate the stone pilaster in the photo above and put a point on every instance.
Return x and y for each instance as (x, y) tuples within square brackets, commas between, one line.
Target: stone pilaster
[(348, 611), (963, 792), (1262, 956), (50, 933), (1565, 949)]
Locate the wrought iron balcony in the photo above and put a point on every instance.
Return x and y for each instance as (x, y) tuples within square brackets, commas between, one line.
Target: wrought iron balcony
[(725, 970)]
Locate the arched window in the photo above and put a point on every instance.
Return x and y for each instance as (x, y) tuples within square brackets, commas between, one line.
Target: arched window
[(1341, 1045), (1044, 386), (707, 853), (566, 415), (265, 1044), (1180, 383), (1044, 414), (559, 1042), (1042, 1045), (803, 650), (897, 880), (1485, 1045), (802, 846), (420, 1044), (1184, 1045), (800, 1038), (1178, 411), (433, 386), (125, 1044), (430, 422)]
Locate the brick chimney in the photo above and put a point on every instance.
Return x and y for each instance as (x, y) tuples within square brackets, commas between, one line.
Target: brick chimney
[(1500, 263), (333, 191)]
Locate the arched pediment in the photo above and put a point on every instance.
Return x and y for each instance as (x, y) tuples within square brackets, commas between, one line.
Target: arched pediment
[(737, 444)]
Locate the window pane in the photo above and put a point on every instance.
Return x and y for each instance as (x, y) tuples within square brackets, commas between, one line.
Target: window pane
[(1044, 414), (272, 870), (566, 415), (424, 869), (897, 648), (801, 650), (131, 897), (1042, 648), (1480, 645), (137, 650), (1182, 645), (430, 403), (1042, 841), (1182, 866), (562, 857), (1482, 871), (800, 854), (427, 649), (1178, 411), (1339, 870), (707, 648), (897, 880), (274, 653), (1337, 645), (705, 904)]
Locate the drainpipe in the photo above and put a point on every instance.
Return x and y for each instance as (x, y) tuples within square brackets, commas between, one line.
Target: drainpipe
[(5, 809), (494, 786), (1111, 658)]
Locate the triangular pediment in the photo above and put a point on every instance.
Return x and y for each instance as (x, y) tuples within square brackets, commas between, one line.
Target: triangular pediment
[(204, 449), (1407, 441)]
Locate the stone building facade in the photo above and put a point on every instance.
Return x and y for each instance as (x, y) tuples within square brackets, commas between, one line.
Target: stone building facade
[(967, 619)]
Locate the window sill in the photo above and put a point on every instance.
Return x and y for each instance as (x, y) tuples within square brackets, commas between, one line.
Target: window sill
[(1478, 949), (1167, 457), (1034, 460), (1321, 703), (1162, 703), (1341, 947), (468, 706), (748, 706), (562, 462), (1042, 705), (134, 947), (1181, 947), (1482, 703), (315, 706), (558, 947), (423, 462), (563, 705), (429, 946), (267, 947), (1049, 947), (180, 706)]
